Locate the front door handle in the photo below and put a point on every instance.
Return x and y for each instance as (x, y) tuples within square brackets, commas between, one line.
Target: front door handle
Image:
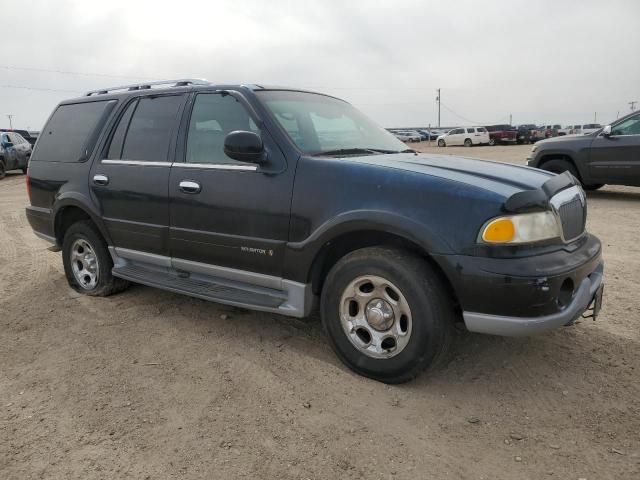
[(189, 186), (100, 179)]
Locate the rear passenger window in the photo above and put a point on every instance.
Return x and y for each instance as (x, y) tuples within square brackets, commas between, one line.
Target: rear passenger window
[(213, 117), (471, 130), (147, 129), (117, 141), (71, 132)]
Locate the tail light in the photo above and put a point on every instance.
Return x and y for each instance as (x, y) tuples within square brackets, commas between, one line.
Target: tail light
[(28, 181)]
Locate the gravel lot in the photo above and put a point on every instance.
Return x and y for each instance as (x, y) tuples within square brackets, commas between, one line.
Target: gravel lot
[(151, 385)]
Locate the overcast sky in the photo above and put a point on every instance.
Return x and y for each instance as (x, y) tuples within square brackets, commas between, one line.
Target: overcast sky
[(541, 61)]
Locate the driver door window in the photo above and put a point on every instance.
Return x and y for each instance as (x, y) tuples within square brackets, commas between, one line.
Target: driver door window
[(213, 117), (630, 126)]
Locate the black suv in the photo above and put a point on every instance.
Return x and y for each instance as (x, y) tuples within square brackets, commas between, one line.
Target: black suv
[(276, 199), (609, 155)]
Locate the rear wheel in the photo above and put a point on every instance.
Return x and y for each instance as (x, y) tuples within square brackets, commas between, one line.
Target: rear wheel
[(3, 170), (386, 313), (468, 142), (441, 143), (87, 263)]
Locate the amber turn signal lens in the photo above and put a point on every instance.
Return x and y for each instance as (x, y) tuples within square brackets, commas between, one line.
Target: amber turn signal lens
[(501, 230)]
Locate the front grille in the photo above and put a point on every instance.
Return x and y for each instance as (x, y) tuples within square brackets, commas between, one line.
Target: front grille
[(572, 210)]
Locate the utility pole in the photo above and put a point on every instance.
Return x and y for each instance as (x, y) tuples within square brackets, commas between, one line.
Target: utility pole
[(10, 122), (631, 104), (510, 119), (595, 117), (438, 100)]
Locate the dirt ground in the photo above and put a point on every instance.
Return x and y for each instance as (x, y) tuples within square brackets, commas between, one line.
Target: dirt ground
[(151, 385)]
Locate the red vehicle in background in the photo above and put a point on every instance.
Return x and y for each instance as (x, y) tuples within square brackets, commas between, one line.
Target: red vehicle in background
[(501, 134)]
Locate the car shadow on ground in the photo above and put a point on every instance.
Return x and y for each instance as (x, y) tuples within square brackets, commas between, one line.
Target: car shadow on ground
[(614, 195)]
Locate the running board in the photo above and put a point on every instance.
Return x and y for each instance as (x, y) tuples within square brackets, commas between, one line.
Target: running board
[(196, 285)]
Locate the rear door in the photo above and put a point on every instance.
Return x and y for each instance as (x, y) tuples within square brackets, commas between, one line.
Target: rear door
[(616, 159), (130, 180), (225, 213)]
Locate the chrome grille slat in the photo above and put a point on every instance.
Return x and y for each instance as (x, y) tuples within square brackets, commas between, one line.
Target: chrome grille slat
[(570, 206)]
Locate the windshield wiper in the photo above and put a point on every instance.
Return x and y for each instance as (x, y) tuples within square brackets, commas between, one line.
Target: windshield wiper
[(357, 151), (346, 151)]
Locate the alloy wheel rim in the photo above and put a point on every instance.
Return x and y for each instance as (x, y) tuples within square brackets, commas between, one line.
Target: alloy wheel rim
[(375, 317), (84, 264)]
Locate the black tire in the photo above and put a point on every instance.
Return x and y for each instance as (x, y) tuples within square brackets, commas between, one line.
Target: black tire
[(432, 312), (560, 166), (3, 171), (468, 143), (106, 283), (441, 143), (492, 142), (593, 186), (24, 170)]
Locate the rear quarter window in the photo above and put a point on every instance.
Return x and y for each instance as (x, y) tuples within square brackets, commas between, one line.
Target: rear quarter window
[(71, 131)]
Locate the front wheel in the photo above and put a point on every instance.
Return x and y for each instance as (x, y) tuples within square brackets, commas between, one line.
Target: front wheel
[(492, 141), (560, 166), (441, 143), (468, 143), (87, 263), (3, 170), (386, 313), (593, 186)]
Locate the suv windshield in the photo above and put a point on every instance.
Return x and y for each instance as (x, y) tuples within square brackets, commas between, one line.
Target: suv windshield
[(318, 124)]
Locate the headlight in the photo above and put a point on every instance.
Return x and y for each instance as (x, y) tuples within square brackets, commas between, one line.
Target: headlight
[(523, 228)]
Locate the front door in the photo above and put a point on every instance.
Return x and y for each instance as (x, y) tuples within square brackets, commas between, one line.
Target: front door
[(616, 158), (130, 180), (226, 213)]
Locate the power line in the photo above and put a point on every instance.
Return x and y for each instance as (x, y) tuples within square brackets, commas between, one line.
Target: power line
[(22, 87), (66, 72)]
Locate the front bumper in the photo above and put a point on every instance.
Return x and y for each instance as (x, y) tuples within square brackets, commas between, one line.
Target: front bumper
[(526, 293), (521, 326)]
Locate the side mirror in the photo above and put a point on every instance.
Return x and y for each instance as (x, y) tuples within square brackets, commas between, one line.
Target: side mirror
[(244, 146), (606, 131)]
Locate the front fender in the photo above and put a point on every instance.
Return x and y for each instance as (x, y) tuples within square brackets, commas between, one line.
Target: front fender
[(300, 256)]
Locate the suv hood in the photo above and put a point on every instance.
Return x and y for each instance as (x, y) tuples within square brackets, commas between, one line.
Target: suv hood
[(566, 140), (501, 178)]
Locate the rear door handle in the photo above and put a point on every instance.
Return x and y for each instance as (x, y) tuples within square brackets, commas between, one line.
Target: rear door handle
[(100, 179), (189, 186)]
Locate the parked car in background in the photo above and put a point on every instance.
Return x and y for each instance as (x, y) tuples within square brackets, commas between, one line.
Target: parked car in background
[(609, 155), (407, 136), (467, 136), (585, 129), (523, 133), (24, 133), (14, 152), (501, 134), (430, 134), (245, 211)]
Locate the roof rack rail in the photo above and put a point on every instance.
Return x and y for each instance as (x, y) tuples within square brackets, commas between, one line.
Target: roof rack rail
[(181, 82)]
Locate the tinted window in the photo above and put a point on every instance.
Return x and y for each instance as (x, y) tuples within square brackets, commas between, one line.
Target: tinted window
[(630, 126), (471, 130), (115, 148), (5, 138), (70, 131), (151, 128), (212, 118), (482, 129)]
